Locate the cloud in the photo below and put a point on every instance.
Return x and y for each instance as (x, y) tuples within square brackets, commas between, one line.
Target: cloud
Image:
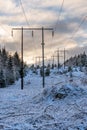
[(43, 13), (77, 50)]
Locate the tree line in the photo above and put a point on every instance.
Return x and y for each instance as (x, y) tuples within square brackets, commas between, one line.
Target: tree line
[(78, 60), (10, 67)]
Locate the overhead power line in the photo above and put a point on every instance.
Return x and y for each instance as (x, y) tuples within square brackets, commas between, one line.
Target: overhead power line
[(82, 21), (24, 12), (61, 7), (76, 30)]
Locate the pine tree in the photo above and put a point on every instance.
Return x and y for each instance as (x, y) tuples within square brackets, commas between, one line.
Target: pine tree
[(2, 81), (69, 69), (47, 72), (16, 65), (10, 67), (0, 60), (16, 59), (4, 56), (83, 59), (3, 60), (48, 66), (52, 66), (10, 73)]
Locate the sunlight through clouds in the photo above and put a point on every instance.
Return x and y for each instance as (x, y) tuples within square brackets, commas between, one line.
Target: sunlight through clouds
[(43, 13)]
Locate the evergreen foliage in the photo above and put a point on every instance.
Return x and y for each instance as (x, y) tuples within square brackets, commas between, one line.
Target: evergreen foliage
[(47, 72), (10, 73), (79, 60), (10, 67), (52, 66), (2, 81), (69, 69)]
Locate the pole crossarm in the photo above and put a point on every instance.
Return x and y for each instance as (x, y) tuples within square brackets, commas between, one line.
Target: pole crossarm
[(39, 57), (32, 28)]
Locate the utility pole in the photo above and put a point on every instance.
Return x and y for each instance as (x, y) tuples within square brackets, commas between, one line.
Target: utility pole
[(22, 62), (21, 70), (36, 61), (53, 59), (64, 55), (38, 58), (43, 56), (65, 51), (32, 29), (43, 29), (58, 58)]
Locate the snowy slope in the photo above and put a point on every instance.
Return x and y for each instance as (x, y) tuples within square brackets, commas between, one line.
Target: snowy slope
[(61, 105)]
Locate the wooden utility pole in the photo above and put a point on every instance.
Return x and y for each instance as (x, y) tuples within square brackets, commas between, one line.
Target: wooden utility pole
[(21, 70), (53, 59), (38, 58), (64, 55), (58, 58), (22, 64)]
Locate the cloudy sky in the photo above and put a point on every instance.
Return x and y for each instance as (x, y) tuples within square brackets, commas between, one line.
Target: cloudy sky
[(66, 17)]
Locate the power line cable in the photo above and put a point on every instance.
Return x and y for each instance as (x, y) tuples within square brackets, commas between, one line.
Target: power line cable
[(76, 30), (61, 7), (24, 12), (82, 21)]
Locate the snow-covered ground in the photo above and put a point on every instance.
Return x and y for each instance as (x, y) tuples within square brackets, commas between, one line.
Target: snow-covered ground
[(61, 105)]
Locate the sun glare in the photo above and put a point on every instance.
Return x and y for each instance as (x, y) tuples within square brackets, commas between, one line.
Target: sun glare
[(2, 32)]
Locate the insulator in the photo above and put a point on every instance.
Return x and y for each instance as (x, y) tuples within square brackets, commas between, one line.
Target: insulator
[(32, 33), (12, 33), (52, 33)]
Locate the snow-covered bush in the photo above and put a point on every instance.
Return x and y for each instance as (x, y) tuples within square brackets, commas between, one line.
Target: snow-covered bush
[(45, 92), (69, 69), (84, 81), (46, 72), (86, 70)]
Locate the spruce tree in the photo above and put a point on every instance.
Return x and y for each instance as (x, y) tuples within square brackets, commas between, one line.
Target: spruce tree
[(52, 66), (0, 60), (83, 59), (10, 72), (10, 67), (2, 80), (16, 65), (4, 56)]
